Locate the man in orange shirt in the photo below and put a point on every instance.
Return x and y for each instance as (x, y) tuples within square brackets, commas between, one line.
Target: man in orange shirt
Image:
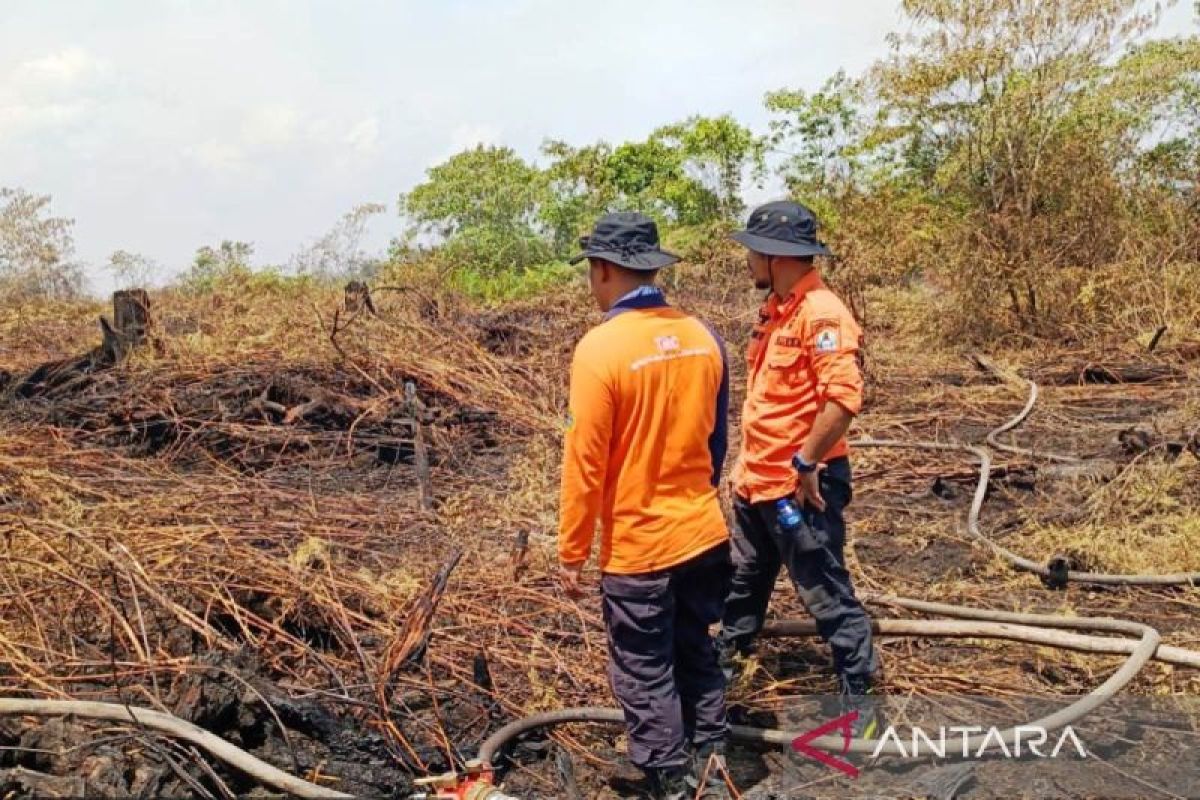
[(792, 480), (643, 456)]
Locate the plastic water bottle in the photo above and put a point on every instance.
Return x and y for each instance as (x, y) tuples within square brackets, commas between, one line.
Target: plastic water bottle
[(792, 524), (788, 514)]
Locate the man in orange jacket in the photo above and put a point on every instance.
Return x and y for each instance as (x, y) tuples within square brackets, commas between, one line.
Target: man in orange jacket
[(792, 481), (643, 455)]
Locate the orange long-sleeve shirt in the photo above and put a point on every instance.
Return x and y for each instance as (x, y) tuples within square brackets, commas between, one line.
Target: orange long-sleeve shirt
[(803, 353), (644, 446)]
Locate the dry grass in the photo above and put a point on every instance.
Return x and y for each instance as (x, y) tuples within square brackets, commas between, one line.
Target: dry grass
[(157, 516), (1146, 520)]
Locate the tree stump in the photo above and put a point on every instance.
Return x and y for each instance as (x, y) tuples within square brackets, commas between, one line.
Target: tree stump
[(131, 315), (358, 297), (131, 310)]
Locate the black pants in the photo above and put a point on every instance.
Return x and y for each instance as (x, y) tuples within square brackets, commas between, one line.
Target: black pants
[(820, 576), (662, 660)]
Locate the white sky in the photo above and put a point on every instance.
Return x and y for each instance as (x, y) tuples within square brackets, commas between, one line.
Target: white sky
[(164, 125)]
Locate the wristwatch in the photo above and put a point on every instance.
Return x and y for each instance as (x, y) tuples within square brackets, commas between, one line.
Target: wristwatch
[(802, 466)]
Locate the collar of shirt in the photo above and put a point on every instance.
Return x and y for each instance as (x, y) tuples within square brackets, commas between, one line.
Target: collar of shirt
[(641, 297), (784, 309)]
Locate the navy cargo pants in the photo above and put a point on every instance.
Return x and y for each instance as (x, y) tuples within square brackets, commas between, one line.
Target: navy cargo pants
[(662, 660), (820, 576)]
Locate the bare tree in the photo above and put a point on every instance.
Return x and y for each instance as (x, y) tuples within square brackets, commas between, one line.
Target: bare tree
[(133, 270), (36, 249), (339, 254)]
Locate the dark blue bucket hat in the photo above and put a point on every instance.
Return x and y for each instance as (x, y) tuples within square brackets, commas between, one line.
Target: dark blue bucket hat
[(782, 228), (627, 239)]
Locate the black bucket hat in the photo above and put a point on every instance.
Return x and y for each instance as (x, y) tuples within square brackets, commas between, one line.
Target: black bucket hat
[(782, 228), (627, 239)]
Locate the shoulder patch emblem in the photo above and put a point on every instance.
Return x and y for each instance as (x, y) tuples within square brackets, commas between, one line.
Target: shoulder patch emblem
[(827, 340)]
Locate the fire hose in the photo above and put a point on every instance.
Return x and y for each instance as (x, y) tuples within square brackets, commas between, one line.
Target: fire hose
[(1056, 573), (1041, 629), (1139, 654), (1140, 644), (993, 440)]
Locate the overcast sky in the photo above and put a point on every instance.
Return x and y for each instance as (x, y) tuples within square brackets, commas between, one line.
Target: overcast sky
[(163, 125)]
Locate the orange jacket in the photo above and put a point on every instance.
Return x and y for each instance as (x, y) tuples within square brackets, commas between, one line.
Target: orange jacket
[(644, 447), (804, 352)]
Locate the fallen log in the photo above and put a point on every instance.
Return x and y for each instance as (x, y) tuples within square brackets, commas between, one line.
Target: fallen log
[(338, 405), (1109, 373)]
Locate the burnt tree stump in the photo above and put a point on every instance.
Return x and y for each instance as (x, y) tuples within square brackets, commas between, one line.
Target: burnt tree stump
[(358, 297), (131, 310), (131, 315)]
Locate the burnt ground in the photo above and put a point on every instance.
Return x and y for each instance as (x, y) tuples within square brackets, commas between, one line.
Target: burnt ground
[(306, 551), (908, 539), (230, 697)]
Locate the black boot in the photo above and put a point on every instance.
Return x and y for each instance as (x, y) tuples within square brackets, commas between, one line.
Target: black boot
[(670, 783), (858, 695)]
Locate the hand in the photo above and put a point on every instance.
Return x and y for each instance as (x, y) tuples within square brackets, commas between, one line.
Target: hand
[(808, 491), (569, 575)]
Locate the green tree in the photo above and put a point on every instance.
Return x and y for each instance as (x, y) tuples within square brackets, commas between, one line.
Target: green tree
[(686, 174), (820, 137), (36, 249), (830, 155), (1020, 119), (1158, 85), (718, 153), (482, 203), (579, 188), (650, 177), (212, 265)]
